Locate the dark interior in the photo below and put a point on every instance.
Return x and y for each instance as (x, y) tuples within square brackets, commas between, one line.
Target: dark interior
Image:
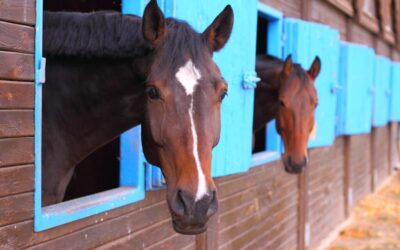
[(100, 170), (261, 48)]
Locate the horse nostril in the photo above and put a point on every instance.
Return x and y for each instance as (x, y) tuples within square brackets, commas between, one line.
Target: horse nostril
[(212, 209), (289, 160), (181, 203)]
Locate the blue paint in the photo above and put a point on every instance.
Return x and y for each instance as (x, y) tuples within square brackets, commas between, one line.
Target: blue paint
[(354, 107), (395, 97), (380, 111), (274, 47), (131, 166), (305, 40), (38, 118)]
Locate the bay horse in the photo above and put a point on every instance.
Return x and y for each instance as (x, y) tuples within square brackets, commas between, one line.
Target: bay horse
[(287, 93), (108, 72)]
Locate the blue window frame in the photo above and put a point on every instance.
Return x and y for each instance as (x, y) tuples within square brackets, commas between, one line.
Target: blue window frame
[(131, 165), (354, 107), (274, 47), (395, 97)]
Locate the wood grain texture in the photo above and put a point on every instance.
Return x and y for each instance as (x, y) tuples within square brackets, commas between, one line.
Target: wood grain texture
[(290, 8), (382, 48), (18, 11), (17, 95), (16, 208), (16, 37), (15, 180), (16, 123), (322, 12), (16, 66), (16, 151), (345, 6)]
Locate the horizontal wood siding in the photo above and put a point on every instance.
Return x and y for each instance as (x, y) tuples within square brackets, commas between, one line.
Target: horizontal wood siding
[(18, 11), (325, 190), (17, 33), (381, 157), (360, 166)]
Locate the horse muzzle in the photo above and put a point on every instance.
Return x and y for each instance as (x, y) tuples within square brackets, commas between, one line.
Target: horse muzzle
[(190, 216), (293, 167)]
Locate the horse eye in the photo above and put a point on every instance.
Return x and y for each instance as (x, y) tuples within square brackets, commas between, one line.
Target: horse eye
[(152, 93), (281, 103), (223, 95)]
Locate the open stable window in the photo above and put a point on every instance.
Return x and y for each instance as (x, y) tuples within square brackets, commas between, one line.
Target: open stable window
[(121, 160), (304, 41), (267, 143), (356, 74), (367, 14)]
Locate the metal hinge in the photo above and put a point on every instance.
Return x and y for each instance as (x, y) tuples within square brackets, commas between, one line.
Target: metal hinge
[(42, 71), (307, 234), (250, 80), (350, 196)]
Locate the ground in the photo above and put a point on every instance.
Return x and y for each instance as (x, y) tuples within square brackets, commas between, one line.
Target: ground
[(375, 224)]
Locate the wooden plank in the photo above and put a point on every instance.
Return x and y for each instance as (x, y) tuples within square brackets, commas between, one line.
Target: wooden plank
[(16, 208), (17, 95), (16, 123), (16, 151), (16, 66), (14, 180), (16, 37), (18, 11), (343, 5)]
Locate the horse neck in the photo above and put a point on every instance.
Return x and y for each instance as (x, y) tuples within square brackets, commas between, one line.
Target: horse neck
[(266, 100), (87, 104)]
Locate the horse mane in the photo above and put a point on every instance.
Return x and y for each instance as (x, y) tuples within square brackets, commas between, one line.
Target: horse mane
[(275, 62), (103, 34)]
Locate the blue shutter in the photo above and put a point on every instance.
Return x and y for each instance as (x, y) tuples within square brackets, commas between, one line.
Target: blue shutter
[(305, 40), (154, 178), (380, 115), (355, 100), (233, 153), (395, 97)]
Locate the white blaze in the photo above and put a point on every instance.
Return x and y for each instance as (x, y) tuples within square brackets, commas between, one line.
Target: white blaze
[(188, 75)]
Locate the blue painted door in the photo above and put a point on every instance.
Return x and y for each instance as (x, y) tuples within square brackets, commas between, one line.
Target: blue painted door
[(305, 40), (380, 114), (395, 96), (233, 153), (356, 77)]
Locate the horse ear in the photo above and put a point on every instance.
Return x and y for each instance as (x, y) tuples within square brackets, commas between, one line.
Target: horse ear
[(218, 33), (287, 66), (153, 24), (315, 68)]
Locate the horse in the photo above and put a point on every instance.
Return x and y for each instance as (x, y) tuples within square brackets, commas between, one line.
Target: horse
[(287, 93), (108, 72)]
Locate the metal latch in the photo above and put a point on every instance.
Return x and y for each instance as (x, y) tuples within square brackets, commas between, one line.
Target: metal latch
[(250, 80)]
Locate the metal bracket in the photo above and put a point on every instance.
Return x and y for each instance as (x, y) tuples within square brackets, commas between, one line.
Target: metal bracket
[(42, 71), (250, 80)]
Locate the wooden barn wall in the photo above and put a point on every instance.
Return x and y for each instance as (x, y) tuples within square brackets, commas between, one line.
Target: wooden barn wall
[(259, 208), (325, 208), (17, 18), (359, 164), (380, 155)]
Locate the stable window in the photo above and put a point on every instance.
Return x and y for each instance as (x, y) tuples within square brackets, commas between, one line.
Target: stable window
[(121, 179), (267, 143)]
